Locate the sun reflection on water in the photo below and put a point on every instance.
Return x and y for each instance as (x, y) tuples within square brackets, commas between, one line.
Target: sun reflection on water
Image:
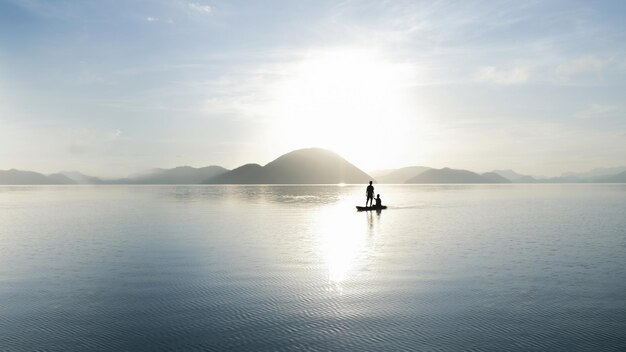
[(345, 240)]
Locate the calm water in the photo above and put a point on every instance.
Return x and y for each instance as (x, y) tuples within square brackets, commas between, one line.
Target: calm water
[(296, 268)]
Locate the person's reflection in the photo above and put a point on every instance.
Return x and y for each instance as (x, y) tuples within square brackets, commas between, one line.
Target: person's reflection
[(371, 220)]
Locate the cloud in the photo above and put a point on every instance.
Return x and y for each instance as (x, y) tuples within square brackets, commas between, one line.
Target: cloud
[(582, 65), (115, 134), (491, 74), (156, 19), (200, 7)]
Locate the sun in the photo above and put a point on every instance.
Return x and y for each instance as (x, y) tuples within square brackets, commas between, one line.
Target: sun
[(352, 101)]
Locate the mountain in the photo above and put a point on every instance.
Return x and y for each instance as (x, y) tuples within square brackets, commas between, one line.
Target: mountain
[(595, 173), (60, 179), (526, 179), (82, 179), (177, 175), (304, 166), (495, 178), (245, 174), (398, 175), (571, 177), (509, 174), (447, 175), (515, 177), (18, 177)]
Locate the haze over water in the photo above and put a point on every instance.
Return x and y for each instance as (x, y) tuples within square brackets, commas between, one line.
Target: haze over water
[(274, 268)]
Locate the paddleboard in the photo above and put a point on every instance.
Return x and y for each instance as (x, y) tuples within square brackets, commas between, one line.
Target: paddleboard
[(358, 208)]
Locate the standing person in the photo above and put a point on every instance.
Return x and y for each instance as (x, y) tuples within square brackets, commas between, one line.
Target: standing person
[(369, 192)]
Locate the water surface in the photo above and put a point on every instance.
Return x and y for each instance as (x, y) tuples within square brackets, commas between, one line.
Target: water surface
[(282, 268)]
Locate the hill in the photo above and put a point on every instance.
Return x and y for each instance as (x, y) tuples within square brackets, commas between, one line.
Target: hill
[(304, 166), (447, 175), (398, 175), (18, 177)]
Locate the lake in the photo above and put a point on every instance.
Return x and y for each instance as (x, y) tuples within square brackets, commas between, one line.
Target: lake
[(296, 268)]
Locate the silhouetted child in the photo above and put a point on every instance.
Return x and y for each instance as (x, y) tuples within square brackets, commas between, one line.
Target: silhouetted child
[(379, 202)]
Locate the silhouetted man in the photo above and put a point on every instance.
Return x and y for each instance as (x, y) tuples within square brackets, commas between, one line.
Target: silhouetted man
[(379, 202), (369, 192)]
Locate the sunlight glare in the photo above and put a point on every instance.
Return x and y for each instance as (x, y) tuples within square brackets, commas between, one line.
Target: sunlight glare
[(344, 100), (343, 243)]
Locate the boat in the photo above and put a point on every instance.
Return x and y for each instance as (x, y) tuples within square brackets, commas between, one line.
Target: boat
[(358, 208)]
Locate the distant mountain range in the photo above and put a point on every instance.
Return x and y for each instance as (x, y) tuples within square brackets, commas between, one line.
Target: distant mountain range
[(17, 177), (309, 166), (515, 177), (595, 173), (447, 175), (82, 179), (425, 175), (178, 175), (182, 175), (398, 175), (619, 178)]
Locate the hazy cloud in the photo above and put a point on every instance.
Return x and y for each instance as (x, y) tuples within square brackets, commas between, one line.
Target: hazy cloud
[(157, 19), (200, 7), (116, 134), (491, 74)]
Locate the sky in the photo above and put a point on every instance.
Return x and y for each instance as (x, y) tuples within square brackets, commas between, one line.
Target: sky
[(111, 88)]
